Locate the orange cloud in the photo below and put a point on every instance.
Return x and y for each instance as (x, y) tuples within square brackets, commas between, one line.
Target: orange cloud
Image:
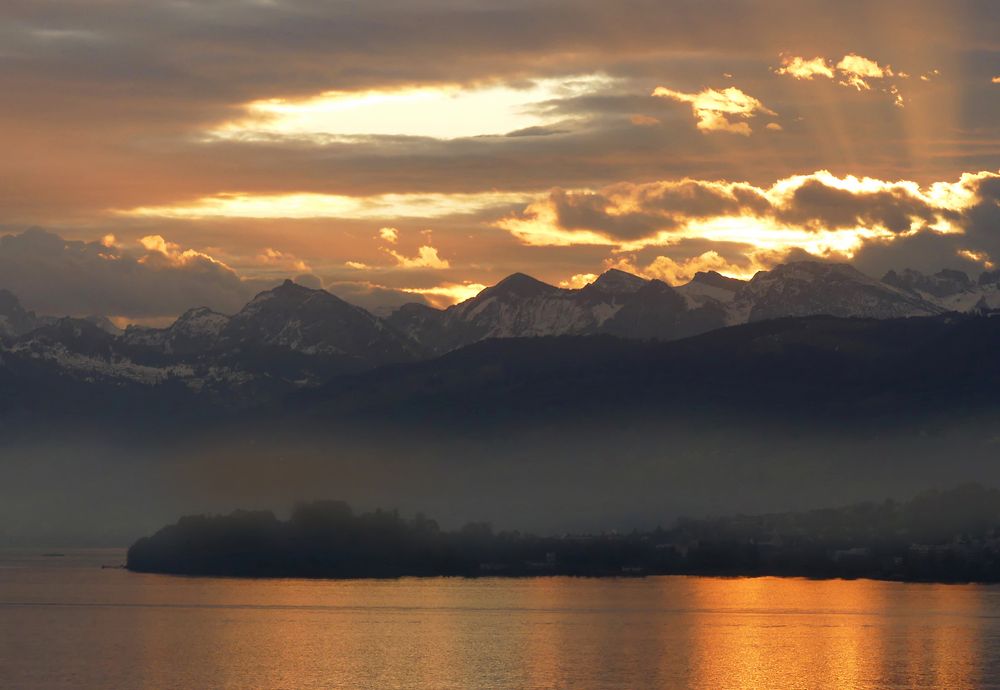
[(577, 281), (674, 272), (719, 111), (171, 253), (855, 71), (427, 257), (641, 120), (275, 258), (801, 68)]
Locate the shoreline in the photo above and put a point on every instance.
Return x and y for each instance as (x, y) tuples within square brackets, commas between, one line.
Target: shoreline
[(578, 576)]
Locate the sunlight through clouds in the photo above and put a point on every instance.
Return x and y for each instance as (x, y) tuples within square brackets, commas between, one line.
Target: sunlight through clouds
[(441, 112), (447, 294), (819, 213), (236, 205)]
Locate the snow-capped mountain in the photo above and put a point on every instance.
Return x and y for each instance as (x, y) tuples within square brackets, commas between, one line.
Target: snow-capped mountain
[(807, 288), (949, 289), (313, 322), (293, 337), (284, 338), (521, 306), (625, 305), (15, 320), (196, 330), (708, 287)]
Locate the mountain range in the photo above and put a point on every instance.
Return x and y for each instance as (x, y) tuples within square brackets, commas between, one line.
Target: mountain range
[(293, 337)]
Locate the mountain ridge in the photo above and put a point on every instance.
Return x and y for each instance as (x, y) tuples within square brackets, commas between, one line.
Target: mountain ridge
[(293, 337)]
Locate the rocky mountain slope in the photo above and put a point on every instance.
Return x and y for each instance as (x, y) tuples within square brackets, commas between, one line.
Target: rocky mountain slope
[(520, 306)]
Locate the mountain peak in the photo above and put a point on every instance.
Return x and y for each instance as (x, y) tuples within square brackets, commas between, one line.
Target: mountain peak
[(814, 271), (519, 285), (288, 293), (14, 318), (291, 287), (804, 288), (8, 301), (614, 280), (716, 279), (944, 283)]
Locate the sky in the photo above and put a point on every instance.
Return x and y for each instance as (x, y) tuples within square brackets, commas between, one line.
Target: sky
[(169, 154)]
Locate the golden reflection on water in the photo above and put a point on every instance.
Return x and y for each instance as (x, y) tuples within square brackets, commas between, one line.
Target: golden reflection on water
[(116, 629)]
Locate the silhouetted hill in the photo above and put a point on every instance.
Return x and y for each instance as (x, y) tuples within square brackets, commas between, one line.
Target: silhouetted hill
[(946, 536), (817, 369)]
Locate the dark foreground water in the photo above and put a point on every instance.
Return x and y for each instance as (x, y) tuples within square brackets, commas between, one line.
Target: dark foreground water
[(65, 623)]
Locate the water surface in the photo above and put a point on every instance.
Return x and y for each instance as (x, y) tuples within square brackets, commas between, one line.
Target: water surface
[(66, 623)]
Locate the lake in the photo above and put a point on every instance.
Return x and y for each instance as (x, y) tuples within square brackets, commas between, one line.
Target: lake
[(66, 623)]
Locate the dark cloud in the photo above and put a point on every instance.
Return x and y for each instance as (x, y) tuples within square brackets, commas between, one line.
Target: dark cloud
[(820, 205), (113, 96), (375, 298), (927, 252), (886, 224), (59, 277), (982, 221), (628, 211)]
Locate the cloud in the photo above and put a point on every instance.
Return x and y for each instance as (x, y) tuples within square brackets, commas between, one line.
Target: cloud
[(819, 213), (854, 71), (274, 258), (448, 293), (426, 110), (116, 101), (309, 280), (154, 278), (857, 70), (115, 97), (801, 68), (311, 205), (390, 235), (679, 271), (578, 280), (640, 120), (427, 257), (716, 110), (378, 299)]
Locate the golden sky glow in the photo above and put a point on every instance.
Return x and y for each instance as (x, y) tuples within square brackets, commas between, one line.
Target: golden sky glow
[(398, 151), (448, 293), (443, 112), (303, 206)]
